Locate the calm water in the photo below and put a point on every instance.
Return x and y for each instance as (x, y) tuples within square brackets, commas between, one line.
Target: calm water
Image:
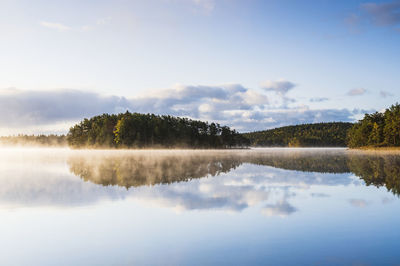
[(249, 207)]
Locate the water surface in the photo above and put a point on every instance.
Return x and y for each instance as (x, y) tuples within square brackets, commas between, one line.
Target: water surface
[(246, 207)]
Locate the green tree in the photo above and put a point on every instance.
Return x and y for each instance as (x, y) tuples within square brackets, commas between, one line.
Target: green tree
[(128, 130), (377, 129)]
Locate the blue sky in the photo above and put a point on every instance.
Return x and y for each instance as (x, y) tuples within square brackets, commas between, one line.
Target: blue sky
[(249, 64)]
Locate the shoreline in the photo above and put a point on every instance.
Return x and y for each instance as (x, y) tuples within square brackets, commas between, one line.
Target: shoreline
[(393, 150)]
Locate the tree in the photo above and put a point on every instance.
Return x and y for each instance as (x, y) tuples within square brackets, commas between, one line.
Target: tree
[(377, 129), (128, 130)]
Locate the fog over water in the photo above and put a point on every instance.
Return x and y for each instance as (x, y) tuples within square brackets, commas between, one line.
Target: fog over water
[(268, 200)]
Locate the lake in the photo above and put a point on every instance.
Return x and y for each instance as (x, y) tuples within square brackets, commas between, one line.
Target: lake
[(182, 207)]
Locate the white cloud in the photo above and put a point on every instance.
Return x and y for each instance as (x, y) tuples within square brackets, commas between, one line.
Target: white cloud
[(206, 5), (386, 200), (282, 209), (270, 118), (86, 28), (234, 105), (55, 25), (104, 21), (359, 203), (30, 108), (319, 99), (319, 195), (383, 14), (281, 87), (385, 94), (356, 92)]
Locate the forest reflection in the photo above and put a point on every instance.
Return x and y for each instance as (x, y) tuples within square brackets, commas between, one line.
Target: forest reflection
[(151, 168)]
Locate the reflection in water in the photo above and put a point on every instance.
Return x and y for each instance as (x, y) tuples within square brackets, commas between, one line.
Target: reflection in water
[(133, 170), (94, 206), (245, 178), (377, 170)]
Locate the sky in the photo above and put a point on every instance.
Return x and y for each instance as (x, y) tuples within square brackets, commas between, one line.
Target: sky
[(251, 65)]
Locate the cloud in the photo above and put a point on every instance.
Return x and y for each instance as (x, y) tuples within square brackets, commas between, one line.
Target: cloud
[(357, 111), (281, 87), (84, 28), (104, 21), (352, 20), (282, 209), (270, 118), (204, 102), (37, 180), (19, 107), (234, 105), (207, 5), (319, 195), (319, 99), (386, 200), (54, 25), (42, 180), (356, 92), (385, 94), (378, 14), (359, 203), (383, 14)]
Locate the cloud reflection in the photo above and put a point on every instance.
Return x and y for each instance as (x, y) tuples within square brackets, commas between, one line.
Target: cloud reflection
[(183, 180), (282, 209), (359, 203)]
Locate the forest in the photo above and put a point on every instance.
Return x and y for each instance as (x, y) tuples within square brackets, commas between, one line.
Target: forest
[(306, 135), (134, 130), (380, 129)]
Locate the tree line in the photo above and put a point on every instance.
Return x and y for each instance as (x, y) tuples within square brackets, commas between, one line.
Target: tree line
[(379, 129), (135, 130), (332, 134)]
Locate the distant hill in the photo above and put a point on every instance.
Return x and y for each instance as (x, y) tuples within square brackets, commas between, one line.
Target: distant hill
[(332, 134)]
